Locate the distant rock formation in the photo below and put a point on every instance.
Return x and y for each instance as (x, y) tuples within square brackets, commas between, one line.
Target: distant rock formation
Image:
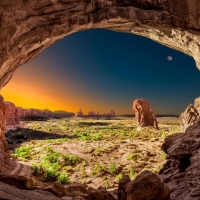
[(12, 114), (111, 113), (146, 185), (181, 171), (97, 115), (189, 117), (144, 114), (79, 113)]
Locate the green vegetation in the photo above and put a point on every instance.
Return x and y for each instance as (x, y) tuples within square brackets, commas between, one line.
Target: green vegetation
[(119, 177), (105, 150), (113, 168)]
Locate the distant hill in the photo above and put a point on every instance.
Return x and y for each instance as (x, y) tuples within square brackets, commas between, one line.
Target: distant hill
[(158, 115), (62, 113)]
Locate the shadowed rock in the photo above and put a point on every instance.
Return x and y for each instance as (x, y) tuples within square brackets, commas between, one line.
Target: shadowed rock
[(3, 143), (188, 117), (147, 186), (144, 114), (181, 171)]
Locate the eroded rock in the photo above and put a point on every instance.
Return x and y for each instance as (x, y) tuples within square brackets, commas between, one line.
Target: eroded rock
[(3, 143), (8, 192), (197, 104), (188, 117), (148, 186), (181, 171), (144, 114), (12, 114), (29, 27)]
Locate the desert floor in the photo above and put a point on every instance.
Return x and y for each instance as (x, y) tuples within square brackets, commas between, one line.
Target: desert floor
[(95, 152)]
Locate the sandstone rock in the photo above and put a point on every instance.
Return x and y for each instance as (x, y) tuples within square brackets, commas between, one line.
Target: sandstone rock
[(197, 104), (188, 117), (59, 190), (181, 171), (8, 192), (121, 194), (111, 113), (3, 143), (144, 114), (97, 195), (21, 112), (35, 26), (12, 115), (147, 186), (20, 182)]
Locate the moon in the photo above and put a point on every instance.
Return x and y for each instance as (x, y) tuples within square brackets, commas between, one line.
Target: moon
[(169, 58)]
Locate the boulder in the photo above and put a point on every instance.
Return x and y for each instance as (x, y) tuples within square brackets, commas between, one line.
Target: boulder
[(188, 117), (181, 171), (21, 182), (12, 114), (144, 114), (99, 195), (121, 193), (8, 192), (147, 186)]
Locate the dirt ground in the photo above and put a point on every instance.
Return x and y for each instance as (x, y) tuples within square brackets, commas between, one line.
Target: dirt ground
[(98, 152)]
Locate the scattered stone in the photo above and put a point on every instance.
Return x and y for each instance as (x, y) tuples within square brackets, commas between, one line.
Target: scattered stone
[(97, 195), (148, 186), (59, 190), (144, 114), (188, 117)]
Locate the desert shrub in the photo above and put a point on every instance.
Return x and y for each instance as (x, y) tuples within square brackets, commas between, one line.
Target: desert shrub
[(51, 175), (119, 177), (38, 170), (131, 173), (70, 160), (96, 137), (112, 168), (52, 158), (63, 178), (132, 156), (23, 153), (49, 150)]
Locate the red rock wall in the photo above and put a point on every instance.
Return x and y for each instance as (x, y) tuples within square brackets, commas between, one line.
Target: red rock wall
[(12, 114), (3, 143)]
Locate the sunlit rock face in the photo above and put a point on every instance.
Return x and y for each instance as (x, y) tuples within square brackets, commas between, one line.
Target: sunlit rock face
[(189, 117), (29, 27), (144, 114), (12, 114), (197, 104)]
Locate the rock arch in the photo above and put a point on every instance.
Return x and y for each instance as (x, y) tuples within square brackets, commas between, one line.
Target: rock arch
[(28, 27)]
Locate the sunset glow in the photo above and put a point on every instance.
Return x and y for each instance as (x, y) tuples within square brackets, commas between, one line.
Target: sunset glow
[(100, 70)]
